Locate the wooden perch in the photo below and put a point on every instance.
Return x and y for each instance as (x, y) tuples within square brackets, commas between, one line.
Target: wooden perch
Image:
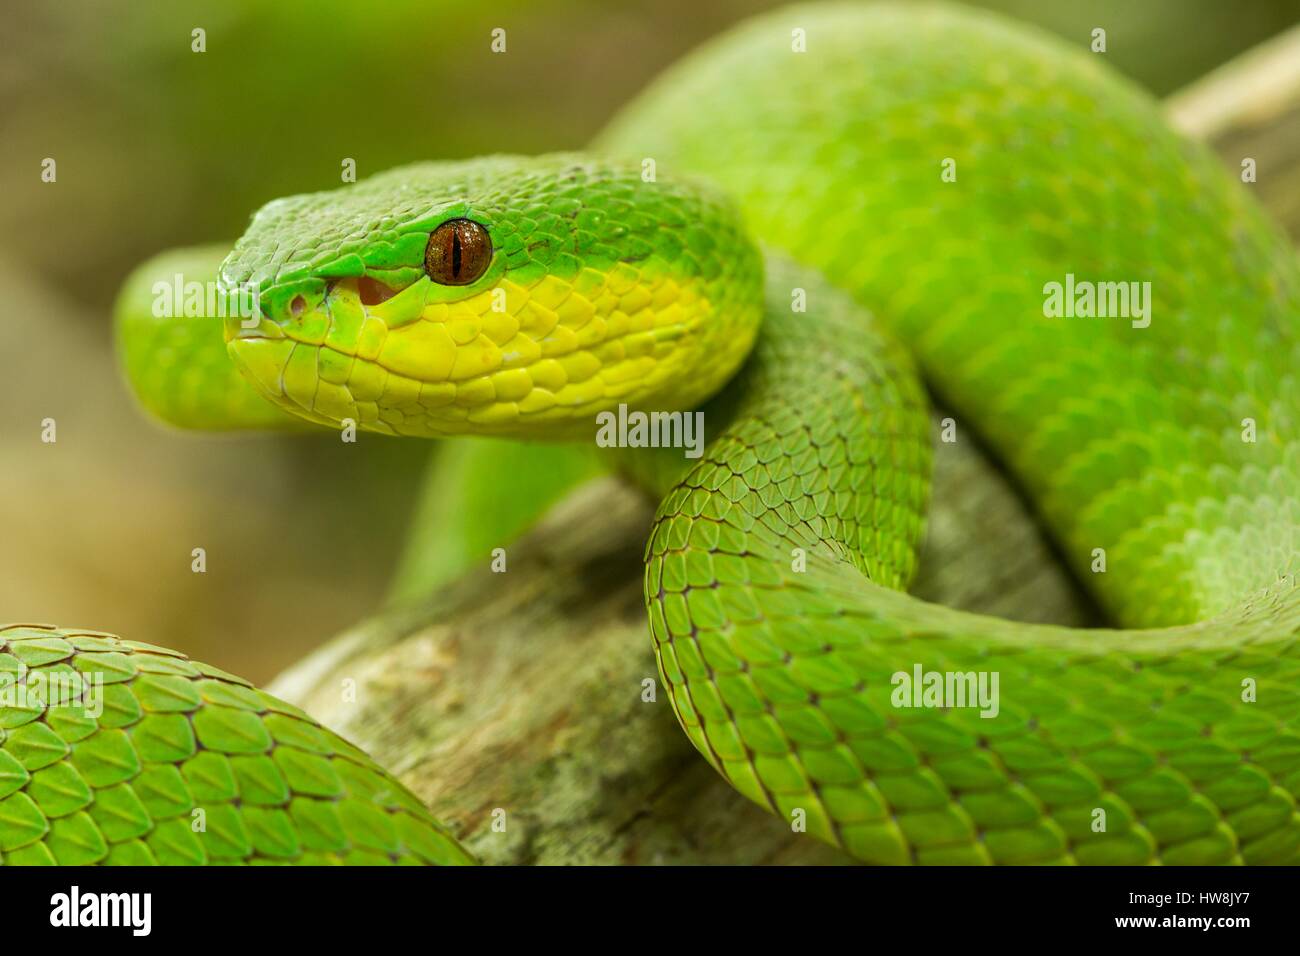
[(516, 703)]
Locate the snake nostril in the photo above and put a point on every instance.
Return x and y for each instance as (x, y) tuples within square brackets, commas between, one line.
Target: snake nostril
[(297, 306)]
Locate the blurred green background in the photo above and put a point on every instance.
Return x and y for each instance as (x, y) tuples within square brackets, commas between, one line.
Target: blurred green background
[(158, 146)]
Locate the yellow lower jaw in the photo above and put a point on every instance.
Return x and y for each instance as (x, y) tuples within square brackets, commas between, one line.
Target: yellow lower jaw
[(539, 360)]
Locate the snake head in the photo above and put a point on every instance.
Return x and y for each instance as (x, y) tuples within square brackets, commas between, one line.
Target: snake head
[(507, 295)]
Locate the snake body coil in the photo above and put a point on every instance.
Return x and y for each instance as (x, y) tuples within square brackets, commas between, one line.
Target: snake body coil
[(945, 171)]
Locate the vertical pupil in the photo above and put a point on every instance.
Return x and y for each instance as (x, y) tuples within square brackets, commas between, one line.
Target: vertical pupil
[(458, 253)]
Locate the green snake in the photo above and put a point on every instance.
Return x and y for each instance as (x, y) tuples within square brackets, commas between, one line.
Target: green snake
[(794, 226)]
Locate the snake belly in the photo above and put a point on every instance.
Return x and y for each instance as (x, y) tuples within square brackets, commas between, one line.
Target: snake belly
[(921, 174)]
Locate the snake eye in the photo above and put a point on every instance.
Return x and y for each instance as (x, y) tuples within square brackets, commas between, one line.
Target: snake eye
[(458, 252)]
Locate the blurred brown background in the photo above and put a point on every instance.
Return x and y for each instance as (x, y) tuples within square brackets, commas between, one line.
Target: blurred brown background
[(158, 146)]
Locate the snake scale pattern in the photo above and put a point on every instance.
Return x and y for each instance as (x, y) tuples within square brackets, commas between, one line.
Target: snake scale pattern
[(916, 177)]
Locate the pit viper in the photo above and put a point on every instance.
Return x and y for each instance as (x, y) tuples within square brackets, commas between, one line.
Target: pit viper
[(792, 229)]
